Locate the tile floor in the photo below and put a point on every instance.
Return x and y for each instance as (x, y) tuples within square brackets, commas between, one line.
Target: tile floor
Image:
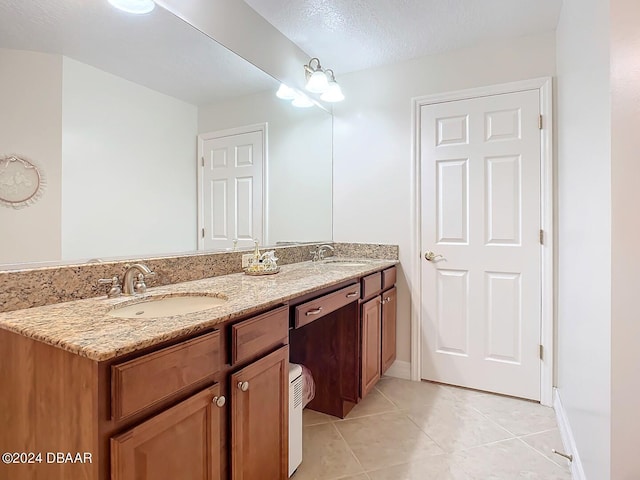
[(422, 431)]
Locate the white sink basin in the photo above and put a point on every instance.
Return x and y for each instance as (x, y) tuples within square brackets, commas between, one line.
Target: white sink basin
[(346, 263), (154, 307)]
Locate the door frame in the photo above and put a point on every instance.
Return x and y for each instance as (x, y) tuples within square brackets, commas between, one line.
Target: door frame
[(544, 86), (202, 137)]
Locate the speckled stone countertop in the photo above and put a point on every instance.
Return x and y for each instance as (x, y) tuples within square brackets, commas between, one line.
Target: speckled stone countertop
[(85, 327)]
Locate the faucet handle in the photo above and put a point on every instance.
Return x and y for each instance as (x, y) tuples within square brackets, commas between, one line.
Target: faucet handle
[(116, 289), (140, 286)]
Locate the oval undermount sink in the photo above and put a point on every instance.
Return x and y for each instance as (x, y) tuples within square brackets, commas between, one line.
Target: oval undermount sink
[(346, 263), (154, 307)]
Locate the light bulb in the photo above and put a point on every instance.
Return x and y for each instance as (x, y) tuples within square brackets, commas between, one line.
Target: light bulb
[(285, 92), (137, 7), (333, 93), (317, 82)]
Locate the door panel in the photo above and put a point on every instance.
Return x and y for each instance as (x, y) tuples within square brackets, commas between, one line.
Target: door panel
[(370, 331), (480, 190), (232, 189)]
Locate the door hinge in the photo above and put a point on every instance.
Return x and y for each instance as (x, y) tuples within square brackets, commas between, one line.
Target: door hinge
[(540, 122), (541, 352), (541, 237), (203, 233), (203, 161)]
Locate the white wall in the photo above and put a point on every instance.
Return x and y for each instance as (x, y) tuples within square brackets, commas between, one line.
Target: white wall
[(299, 173), (625, 238), (129, 167), (372, 141), (30, 126), (584, 228)]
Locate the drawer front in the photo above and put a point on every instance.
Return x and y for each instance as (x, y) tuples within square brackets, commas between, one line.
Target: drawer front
[(371, 285), (389, 278), (310, 311), (257, 335), (139, 383)]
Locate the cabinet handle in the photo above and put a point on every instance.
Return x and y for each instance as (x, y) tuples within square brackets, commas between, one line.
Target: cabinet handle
[(382, 301), (219, 401), (352, 294), (388, 299), (314, 312), (244, 386)]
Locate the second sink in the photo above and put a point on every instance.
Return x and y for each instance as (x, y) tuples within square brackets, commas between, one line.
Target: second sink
[(155, 307)]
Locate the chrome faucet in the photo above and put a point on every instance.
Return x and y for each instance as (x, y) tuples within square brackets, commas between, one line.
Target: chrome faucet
[(133, 283), (318, 254)]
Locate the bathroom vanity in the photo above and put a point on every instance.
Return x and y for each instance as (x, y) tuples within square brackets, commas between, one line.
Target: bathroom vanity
[(205, 392)]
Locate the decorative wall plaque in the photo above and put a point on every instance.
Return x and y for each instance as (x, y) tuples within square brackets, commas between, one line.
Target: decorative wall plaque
[(21, 183)]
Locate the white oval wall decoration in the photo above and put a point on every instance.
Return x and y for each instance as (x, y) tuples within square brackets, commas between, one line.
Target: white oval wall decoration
[(21, 182)]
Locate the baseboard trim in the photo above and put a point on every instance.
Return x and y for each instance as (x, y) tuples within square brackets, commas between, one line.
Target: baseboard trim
[(400, 369), (577, 472)]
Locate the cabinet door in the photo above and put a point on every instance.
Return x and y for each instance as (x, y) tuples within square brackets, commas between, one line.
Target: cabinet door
[(370, 353), (181, 442), (389, 306), (260, 419)]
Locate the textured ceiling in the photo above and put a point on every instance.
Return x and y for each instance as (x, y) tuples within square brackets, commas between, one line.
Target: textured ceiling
[(349, 35), (157, 50)]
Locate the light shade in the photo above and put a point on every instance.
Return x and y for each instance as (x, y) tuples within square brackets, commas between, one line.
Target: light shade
[(137, 7), (302, 101), (333, 93), (317, 82), (285, 92)]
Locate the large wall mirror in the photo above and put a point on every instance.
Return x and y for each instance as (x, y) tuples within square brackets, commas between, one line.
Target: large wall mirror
[(120, 113)]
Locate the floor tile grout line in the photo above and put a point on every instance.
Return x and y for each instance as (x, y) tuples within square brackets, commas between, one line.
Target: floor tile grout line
[(350, 449), (426, 434), (543, 454), (387, 398), (513, 435)]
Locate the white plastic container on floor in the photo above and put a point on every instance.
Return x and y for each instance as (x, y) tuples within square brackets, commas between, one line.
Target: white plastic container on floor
[(295, 417)]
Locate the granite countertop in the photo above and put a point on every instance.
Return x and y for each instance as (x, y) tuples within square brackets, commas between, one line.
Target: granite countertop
[(84, 327)]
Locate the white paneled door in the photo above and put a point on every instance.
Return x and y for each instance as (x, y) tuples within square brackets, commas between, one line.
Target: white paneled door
[(480, 243), (231, 189)]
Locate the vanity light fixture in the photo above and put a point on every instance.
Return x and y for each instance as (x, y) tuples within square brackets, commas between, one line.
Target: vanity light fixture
[(317, 81), (333, 93), (136, 7)]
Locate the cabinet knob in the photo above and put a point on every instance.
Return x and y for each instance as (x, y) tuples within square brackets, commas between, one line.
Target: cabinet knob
[(219, 401), (244, 386)]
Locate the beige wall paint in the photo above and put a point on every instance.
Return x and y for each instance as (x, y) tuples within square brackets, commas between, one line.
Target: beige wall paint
[(625, 238), (31, 126), (372, 141)]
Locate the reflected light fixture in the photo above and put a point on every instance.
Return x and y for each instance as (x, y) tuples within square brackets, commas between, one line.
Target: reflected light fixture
[(333, 93), (301, 101), (285, 92), (137, 7)]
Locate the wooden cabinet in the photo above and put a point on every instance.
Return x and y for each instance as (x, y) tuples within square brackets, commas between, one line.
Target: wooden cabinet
[(388, 328), (259, 419), (181, 442), (370, 353)]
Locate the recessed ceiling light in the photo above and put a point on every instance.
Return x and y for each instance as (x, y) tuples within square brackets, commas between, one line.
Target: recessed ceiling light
[(137, 7)]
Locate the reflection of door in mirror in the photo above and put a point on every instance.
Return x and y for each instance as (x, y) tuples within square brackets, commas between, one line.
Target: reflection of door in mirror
[(230, 203)]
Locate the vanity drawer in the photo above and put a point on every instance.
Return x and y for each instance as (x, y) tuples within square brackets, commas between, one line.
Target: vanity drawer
[(139, 383), (371, 285), (310, 311), (257, 335), (389, 278)]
